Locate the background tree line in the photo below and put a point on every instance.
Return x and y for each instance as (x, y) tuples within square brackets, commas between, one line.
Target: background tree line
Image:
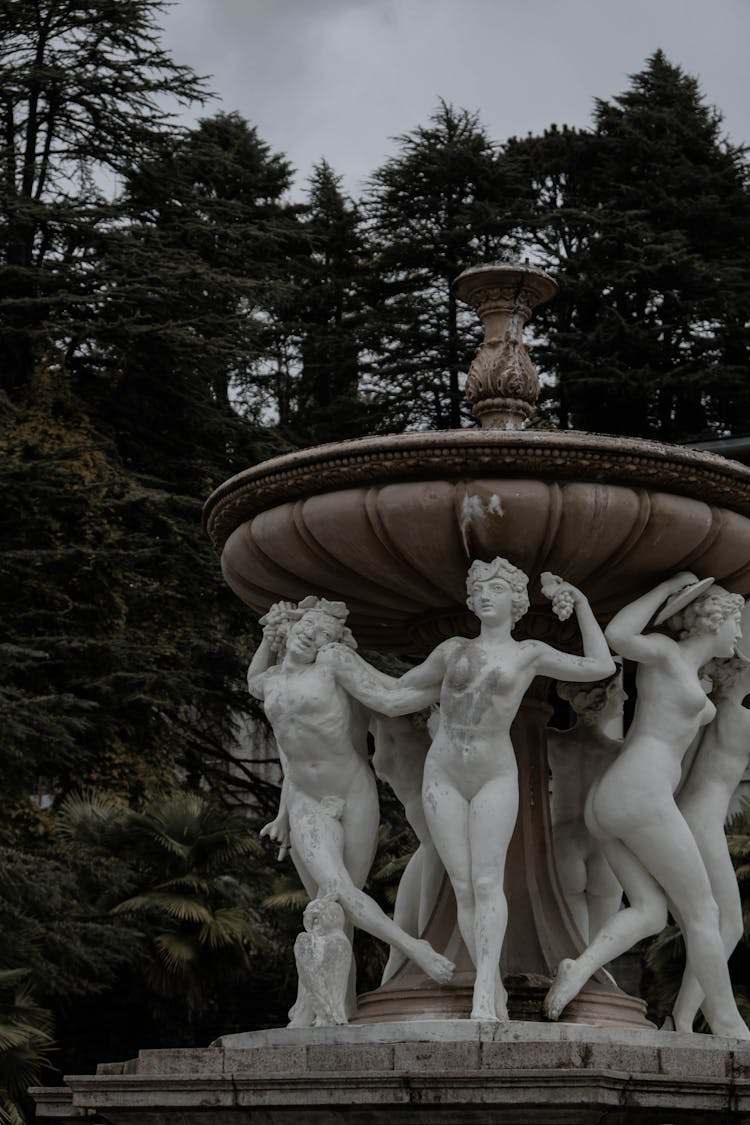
[(158, 336)]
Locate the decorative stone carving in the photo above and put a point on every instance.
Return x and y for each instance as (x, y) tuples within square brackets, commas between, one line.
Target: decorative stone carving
[(576, 758), (502, 383), (545, 455), (329, 813), (631, 807), (714, 774), (323, 954)]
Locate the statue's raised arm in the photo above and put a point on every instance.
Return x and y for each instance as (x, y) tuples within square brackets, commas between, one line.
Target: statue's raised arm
[(329, 811), (631, 807), (470, 787)]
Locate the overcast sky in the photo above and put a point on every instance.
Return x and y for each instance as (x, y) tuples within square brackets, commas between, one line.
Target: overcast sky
[(340, 78)]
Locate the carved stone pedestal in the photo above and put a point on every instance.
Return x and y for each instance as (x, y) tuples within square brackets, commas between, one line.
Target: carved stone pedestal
[(432, 1072)]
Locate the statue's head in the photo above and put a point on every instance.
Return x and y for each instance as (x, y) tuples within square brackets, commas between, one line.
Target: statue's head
[(308, 626), (592, 699), (323, 915), (724, 674), (482, 573), (715, 612)]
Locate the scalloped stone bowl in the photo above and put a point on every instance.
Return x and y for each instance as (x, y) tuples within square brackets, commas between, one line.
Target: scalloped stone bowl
[(391, 524)]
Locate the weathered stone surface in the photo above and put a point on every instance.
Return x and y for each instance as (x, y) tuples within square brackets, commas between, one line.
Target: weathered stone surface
[(435, 1072)]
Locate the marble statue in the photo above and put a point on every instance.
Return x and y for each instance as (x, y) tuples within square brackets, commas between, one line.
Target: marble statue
[(631, 808), (703, 800), (401, 745), (576, 758), (323, 954), (470, 786), (328, 815)]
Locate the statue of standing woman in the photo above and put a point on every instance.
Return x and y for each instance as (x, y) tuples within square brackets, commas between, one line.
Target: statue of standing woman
[(632, 809), (703, 800), (470, 786)]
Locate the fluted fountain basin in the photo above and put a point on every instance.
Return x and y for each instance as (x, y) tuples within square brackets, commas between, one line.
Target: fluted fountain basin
[(389, 524)]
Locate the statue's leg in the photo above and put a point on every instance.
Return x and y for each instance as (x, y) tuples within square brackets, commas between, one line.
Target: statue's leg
[(570, 861), (603, 891), (492, 818), (318, 836), (447, 814), (723, 882), (675, 860), (406, 909), (646, 914)]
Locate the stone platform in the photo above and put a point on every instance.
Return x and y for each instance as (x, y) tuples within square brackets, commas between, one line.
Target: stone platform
[(430, 1072)]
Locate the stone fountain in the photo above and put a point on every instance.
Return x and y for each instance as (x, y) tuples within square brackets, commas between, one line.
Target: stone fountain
[(390, 524)]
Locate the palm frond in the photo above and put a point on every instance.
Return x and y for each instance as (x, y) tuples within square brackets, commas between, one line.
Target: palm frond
[(176, 951), (287, 898), (176, 906), (227, 927)]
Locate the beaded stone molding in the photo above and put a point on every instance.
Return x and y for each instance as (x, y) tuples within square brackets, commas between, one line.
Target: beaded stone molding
[(450, 454)]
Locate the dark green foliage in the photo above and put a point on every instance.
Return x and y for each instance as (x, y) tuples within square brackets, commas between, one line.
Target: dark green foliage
[(191, 281), (645, 221), (113, 600), (323, 403), (25, 1041), (438, 206), (78, 957), (195, 874), (82, 91)]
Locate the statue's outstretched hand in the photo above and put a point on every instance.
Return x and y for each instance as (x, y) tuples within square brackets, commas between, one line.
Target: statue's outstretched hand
[(276, 624), (278, 831)]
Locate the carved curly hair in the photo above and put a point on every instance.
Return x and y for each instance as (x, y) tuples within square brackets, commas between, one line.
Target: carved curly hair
[(723, 673), (500, 568), (707, 613), (592, 697), (282, 615)]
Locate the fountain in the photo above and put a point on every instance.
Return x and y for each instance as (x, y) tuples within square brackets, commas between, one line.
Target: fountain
[(390, 524)]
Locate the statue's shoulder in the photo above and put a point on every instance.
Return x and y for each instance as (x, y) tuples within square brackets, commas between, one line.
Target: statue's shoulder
[(452, 645)]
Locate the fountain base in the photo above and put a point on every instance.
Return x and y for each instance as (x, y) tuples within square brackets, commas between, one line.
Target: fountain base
[(431, 1072)]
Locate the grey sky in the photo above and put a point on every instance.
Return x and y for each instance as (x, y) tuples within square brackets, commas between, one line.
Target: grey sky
[(340, 78)]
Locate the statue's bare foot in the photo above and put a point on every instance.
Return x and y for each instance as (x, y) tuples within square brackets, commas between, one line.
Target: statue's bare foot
[(484, 1009), (564, 987), (485, 1016), (434, 964), (501, 999), (731, 1029), (669, 1024)]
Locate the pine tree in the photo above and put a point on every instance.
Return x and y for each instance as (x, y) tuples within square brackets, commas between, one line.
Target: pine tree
[(645, 220), (323, 399), (124, 653), (191, 282), (435, 208), (82, 93)]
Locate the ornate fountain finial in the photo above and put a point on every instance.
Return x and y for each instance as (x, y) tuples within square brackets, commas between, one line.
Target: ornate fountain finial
[(503, 384)]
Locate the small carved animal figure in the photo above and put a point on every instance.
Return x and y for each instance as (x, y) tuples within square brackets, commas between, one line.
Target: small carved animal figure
[(323, 954)]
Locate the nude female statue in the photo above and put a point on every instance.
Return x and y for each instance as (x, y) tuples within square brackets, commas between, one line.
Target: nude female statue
[(576, 758), (470, 788), (632, 810), (703, 800), (328, 813)]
